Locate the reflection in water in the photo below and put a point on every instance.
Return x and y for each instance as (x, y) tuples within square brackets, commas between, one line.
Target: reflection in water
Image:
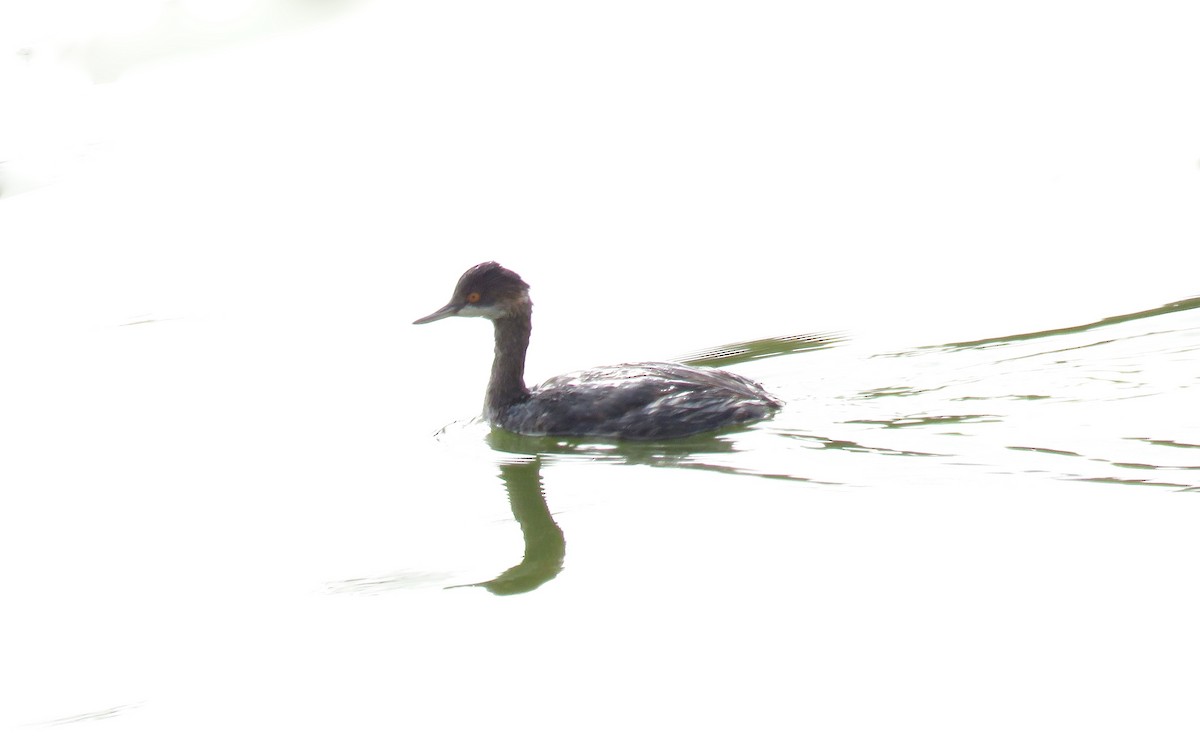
[(545, 546), (921, 403), (1176, 306), (924, 421), (818, 442), (1069, 404), (711, 451), (521, 467), (1106, 401)]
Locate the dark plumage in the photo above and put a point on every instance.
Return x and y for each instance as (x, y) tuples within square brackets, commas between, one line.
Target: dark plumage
[(644, 401)]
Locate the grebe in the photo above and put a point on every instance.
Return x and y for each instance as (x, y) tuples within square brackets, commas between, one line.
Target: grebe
[(644, 401)]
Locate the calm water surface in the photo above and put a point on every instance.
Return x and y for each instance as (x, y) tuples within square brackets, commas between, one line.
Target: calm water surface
[(922, 536), (246, 506)]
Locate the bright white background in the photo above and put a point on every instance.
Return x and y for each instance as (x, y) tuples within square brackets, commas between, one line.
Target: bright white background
[(218, 219)]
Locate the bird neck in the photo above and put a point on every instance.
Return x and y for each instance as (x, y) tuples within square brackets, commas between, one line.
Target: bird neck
[(506, 387)]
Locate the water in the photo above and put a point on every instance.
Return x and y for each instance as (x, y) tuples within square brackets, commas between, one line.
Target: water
[(259, 531), (247, 506)]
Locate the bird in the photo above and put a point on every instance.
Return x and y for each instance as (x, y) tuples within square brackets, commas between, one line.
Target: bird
[(651, 400)]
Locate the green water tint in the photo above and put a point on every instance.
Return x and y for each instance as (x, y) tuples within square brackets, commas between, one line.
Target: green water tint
[(520, 470), (751, 350), (1177, 306), (817, 442), (1133, 466), (1166, 443), (903, 422), (545, 545), (521, 460), (699, 451)]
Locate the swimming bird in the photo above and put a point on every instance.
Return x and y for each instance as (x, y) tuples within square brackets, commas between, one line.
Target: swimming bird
[(649, 400)]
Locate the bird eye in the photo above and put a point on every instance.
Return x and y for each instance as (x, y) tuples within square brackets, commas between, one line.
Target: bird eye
[(473, 297)]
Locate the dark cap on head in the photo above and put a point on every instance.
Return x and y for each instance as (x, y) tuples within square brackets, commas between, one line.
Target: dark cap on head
[(490, 277), (486, 290)]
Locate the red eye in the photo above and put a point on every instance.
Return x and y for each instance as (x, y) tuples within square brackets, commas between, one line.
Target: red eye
[(472, 298)]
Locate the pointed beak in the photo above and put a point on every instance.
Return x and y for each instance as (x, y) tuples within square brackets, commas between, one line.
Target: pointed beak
[(449, 310)]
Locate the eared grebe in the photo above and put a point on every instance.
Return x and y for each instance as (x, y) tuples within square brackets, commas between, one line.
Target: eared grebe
[(644, 401)]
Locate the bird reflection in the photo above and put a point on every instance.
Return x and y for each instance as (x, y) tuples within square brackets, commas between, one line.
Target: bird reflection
[(522, 458), (545, 546), (521, 472)]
